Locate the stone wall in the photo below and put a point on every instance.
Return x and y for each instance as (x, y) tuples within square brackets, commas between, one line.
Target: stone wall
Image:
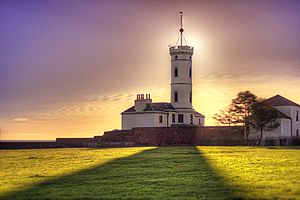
[(219, 135), (75, 142), (59, 143), (154, 136), (163, 136), (27, 145)]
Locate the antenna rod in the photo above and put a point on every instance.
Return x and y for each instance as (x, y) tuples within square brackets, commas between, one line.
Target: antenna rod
[(181, 29)]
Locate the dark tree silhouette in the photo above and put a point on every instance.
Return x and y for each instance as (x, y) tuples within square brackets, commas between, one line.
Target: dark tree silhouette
[(243, 109), (226, 117), (264, 117)]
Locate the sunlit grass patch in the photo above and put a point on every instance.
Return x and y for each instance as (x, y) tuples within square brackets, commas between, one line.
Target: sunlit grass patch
[(20, 169), (258, 172)]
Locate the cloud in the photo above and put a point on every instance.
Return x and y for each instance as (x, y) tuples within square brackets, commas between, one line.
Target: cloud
[(20, 120), (102, 98), (88, 107)]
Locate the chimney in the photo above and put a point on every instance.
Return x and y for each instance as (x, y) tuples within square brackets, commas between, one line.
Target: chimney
[(141, 102)]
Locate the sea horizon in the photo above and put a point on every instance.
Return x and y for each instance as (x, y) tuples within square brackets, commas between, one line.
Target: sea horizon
[(27, 141)]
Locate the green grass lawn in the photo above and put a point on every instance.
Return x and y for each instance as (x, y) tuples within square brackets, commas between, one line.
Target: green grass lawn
[(151, 173)]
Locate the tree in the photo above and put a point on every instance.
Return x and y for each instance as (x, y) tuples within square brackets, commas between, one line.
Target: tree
[(264, 117), (243, 109), (226, 116)]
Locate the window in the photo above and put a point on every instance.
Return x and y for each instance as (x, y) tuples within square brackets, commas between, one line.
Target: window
[(176, 57), (199, 121), (176, 96), (160, 119), (190, 73), (297, 116), (191, 97), (297, 132), (176, 72), (180, 118), (173, 118), (192, 119)]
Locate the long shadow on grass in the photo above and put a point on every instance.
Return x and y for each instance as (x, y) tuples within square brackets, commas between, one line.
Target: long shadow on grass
[(161, 173)]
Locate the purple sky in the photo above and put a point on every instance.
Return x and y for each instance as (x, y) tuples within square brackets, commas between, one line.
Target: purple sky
[(91, 57)]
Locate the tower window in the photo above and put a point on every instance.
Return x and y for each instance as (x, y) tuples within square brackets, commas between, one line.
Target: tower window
[(180, 118), (190, 57), (176, 57), (297, 132), (190, 72), (173, 118), (191, 97), (176, 72), (297, 116), (192, 119), (160, 119), (176, 96), (199, 121)]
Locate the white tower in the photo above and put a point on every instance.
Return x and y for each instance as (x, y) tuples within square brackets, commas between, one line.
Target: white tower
[(180, 112), (181, 74)]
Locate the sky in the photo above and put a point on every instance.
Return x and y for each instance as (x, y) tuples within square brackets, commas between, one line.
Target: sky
[(68, 68)]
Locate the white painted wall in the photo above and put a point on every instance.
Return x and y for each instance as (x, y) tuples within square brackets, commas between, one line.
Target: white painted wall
[(183, 91), (130, 120), (282, 131), (291, 111), (183, 67), (202, 121), (143, 120), (285, 128), (182, 84), (187, 117), (296, 124)]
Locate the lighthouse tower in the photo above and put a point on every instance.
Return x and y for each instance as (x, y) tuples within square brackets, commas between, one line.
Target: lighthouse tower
[(181, 74), (179, 112)]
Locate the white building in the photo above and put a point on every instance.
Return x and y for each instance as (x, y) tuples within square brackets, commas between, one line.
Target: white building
[(288, 117), (180, 111)]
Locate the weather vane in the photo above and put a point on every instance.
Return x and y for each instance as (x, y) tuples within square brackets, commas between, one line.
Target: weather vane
[(181, 29)]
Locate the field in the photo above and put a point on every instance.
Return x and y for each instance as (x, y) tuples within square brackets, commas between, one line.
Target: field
[(151, 173)]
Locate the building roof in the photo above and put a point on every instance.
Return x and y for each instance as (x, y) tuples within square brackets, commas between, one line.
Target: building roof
[(158, 107), (198, 114), (154, 107), (278, 100), (281, 115)]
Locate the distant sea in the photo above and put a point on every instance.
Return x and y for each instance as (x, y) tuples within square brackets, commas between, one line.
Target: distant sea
[(27, 140)]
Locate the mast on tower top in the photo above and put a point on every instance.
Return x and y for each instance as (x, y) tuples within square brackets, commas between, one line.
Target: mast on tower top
[(181, 37), (181, 29)]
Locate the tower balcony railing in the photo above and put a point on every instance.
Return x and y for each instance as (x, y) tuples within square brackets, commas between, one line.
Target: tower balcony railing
[(174, 50), (186, 47)]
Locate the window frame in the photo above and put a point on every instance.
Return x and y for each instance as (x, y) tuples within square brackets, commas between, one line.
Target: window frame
[(176, 96), (160, 120), (180, 118), (173, 118), (176, 72)]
